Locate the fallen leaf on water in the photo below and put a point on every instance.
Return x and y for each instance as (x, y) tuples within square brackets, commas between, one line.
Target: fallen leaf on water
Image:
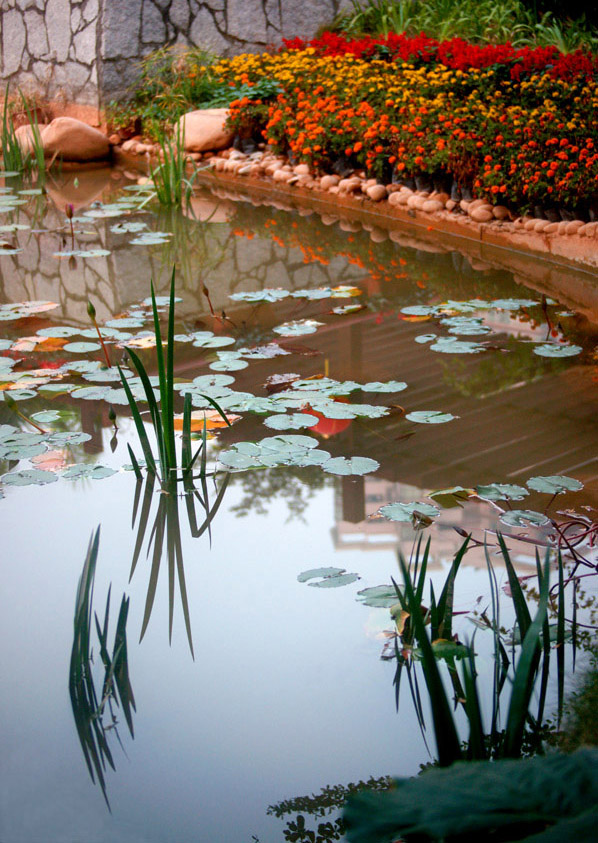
[(213, 420)]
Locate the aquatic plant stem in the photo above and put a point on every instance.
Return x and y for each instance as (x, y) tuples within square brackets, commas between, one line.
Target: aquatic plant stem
[(13, 406), (92, 315)]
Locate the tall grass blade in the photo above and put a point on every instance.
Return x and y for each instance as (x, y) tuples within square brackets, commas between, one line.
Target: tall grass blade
[(135, 465), (560, 641), (476, 749), (521, 609), (145, 445)]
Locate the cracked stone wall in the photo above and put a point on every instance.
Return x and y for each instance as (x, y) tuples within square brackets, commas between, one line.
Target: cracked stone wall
[(86, 51)]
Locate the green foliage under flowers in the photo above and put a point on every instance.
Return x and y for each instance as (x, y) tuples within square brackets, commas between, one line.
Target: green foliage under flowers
[(14, 158), (174, 81), (479, 21)]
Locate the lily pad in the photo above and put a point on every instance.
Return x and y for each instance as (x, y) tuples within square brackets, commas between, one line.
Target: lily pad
[(214, 342), (94, 472), (83, 253), (81, 347), (58, 331), (298, 328), (291, 421), (449, 345), (501, 492), (327, 577), (425, 338), (407, 511), (350, 465), (125, 323), (227, 365), (378, 596), (161, 301), (46, 416), (430, 417), (418, 310), (28, 477), (555, 484), (524, 518), (554, 350), (388, 386), (268, 294), (449, 498), (91, 393), (126, 227)]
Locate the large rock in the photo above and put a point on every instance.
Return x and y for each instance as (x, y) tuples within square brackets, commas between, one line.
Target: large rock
[(73, 140), (24, 137), (204, 130)]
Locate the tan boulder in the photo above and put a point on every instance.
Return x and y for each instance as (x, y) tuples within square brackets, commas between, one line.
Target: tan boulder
[(573, 226), (204, 129), (326, 182), (432, 205), (24, 137), (72, 140), (482, 213), (394, 199), (499, 212)]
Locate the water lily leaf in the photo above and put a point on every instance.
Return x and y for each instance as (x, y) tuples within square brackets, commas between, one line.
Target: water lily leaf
[(229, 365), (348, 308), (81, 347), (449, 345), (28, 477), (336, 581), (312, 457), (67, 437), (46, 416), (378, 596), (524, 518), (449, 498), (105, 375), (94, 472), (268, 294), (291, 421), (5, 345), (470, 330), (512, 304), (9, 251), (102, 213), (214, 342), (22, 394), (236, 460), (430, 417), (418, 310), (83, 253), (407, 511), (388, 386), (350, 465), (126, 227), (501, 492), (58, 331), (319, 572), (554, 350), (555, 484), (91, 393), (425, 338), (288, 441), (125, 323), (297, 328), (82, 366), (149, 239), (21, 452), (313, 295), (161, 301)]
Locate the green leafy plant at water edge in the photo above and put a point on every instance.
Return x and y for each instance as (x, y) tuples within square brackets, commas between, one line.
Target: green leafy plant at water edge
[(94, 706), (14, 158), (523, 725), (163, 418), (172, 187)]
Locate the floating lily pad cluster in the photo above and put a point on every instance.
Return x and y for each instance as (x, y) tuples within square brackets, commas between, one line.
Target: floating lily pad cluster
[(291, 449), (458, 318), (274, 294)]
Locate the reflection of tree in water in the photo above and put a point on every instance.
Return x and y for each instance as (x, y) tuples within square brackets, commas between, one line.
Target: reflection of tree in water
[(330, 799), (294, 484)]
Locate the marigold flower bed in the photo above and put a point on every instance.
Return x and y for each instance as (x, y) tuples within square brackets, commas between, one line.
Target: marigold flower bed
[(517, 127)]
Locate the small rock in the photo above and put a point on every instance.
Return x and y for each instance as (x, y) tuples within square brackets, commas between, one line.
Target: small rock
[(282, 175), (301, 170), (477, 203), (451, 205), (394, 199), (551, 228), (376, 192), (588, 230), (128, 145), (499, 212), (573, 226), (416, 201), (378, 235), (541, 225), (326, 182), (114, 139), (464, 205), (440, 197), (349, 185), (530, 225), (562, 227)]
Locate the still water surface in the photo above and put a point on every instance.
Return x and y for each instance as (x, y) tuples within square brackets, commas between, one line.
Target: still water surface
[(287, 692)]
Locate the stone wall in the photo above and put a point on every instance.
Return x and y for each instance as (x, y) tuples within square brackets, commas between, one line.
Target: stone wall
[(86, 51)]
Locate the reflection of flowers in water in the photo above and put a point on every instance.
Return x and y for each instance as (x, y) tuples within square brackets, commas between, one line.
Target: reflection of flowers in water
[(293, 484)]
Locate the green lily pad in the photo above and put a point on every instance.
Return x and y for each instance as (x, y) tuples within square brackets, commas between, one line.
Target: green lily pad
[(21, 452), (449, 345), (58, 331), (350, 465), (91, 393), (229, 365), (46, 416), (501, 492), (237, 460), (297, 328), (327, 577), (408, 511), (214, 342), (81, 347), (378, 596), (291, 421), (267, 294), (388, 386), (555, 484), (161, 301), (554, 350), (524, 518), (430, 417), (82, 253), (127, 227), (28, 477), (125, 323), (94, 472), (425, 338), (449, 498), (418, 310)]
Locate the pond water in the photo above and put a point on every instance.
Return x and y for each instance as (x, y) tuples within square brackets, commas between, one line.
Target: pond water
[(431, 367)]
